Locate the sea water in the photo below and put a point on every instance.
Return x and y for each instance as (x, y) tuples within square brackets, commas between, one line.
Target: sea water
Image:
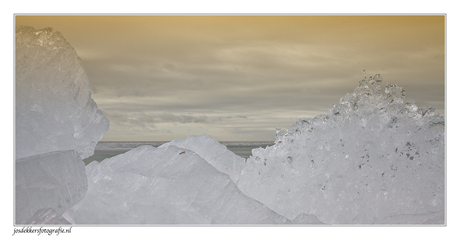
[(108, 149)]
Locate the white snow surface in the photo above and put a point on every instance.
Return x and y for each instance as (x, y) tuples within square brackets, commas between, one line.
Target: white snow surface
[(371, 159), (167, 185), (54, 108)]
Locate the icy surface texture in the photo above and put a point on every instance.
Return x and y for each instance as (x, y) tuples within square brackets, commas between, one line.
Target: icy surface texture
[(213, 152), (306, 219), (57, 125), (47, 216), (166, 185), (371, 159), (54, 108), (53, 181)]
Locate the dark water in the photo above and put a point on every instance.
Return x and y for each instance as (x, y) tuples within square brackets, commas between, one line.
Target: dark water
[(245, 149), (100, 155), (109, 149)]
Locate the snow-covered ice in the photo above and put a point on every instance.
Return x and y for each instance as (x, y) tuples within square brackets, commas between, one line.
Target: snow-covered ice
[(370, 159), (57, 125)]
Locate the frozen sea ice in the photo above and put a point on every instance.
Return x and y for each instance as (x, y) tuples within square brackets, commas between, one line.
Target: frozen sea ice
[(371, 159), (167, 185), (57, 124)]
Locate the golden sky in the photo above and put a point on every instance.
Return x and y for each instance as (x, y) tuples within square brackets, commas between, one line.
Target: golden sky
[(238, 77)]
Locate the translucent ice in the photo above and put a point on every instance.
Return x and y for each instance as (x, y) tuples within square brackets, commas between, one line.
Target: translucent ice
[(213, 152), (371, 159), (47, 216), (57, 125), (54, 180), (54, 108), (164, 185), (306, 219)]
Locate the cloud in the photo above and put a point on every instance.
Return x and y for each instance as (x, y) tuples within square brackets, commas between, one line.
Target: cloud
[(168, 117), (141, 118), (162, 77)]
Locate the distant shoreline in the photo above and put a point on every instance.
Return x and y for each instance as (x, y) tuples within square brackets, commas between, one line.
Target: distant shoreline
[(108, 149)]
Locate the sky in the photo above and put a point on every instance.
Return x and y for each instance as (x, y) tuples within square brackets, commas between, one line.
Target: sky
[(237, 78)]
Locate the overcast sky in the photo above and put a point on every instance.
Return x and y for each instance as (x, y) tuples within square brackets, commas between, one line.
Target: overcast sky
[(236, 78)]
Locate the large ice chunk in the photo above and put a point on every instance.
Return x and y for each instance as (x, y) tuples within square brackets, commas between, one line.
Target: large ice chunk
[(54, 108), (57, 125), (213, 152), (371, 159), (164, 186), (53, 181)]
